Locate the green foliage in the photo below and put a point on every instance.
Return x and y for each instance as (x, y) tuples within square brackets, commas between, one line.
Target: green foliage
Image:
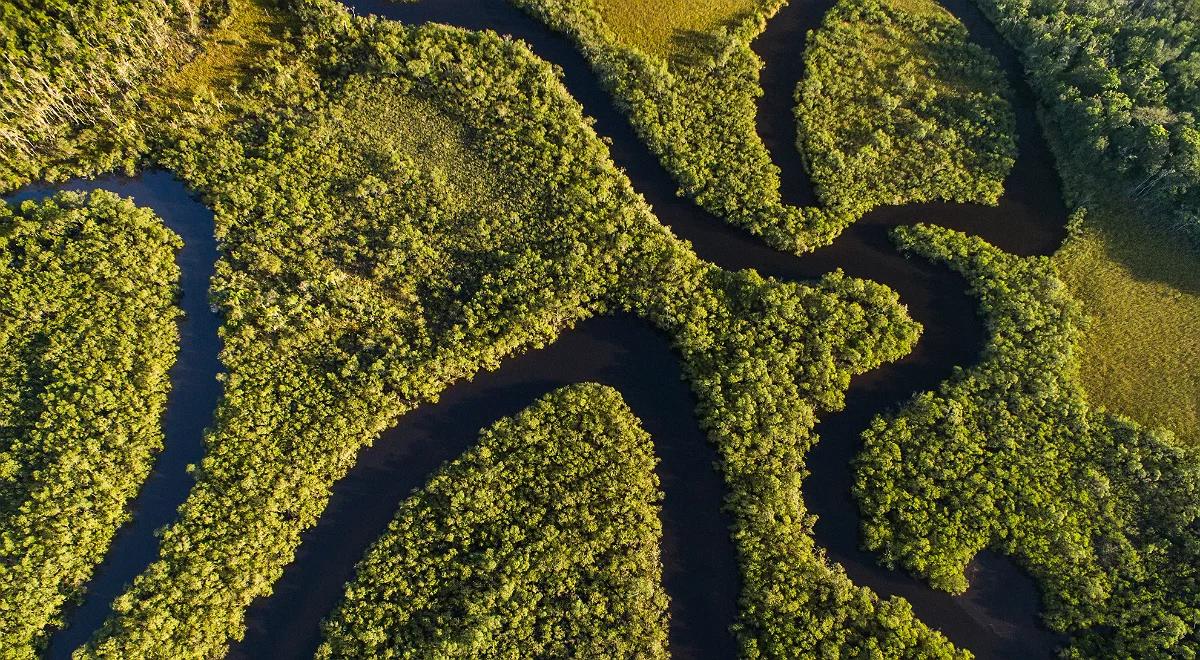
[(541, 541), (87, 335), (402, 207), (72, 74), (666, 27), (1140, 288), (250, 32), (1121, 82), (357, 282), (696, 111), (1009, 454), (897, 106), (765, 359), (399, 208)]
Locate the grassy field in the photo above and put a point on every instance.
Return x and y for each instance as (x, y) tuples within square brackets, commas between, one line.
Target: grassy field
[(926, 8), (242, 40), (660, 27), (1141, 349)]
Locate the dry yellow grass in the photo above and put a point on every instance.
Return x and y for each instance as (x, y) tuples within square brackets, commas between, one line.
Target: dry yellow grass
[(659, 27), (1141, 350)]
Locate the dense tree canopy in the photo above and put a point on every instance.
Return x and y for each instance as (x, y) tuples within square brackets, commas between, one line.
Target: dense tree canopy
[(402, 207), (1008, 454), (541, 541), (1121, 81), (87, 335), (898, 106)]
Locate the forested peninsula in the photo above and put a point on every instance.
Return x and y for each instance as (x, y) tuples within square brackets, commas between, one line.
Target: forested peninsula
[(401, 207), (87, 335)]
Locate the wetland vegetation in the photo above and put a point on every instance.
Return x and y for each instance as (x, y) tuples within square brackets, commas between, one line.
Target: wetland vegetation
[(73, 77), (1118, 87), (694, 105), (87, 335), (1009, 455), (326, 194), (400, 208), (897, 87), (540, 541), (1121, 85)]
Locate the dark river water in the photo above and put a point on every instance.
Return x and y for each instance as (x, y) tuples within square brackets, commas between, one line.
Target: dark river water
[(996, 618), (193, 398)]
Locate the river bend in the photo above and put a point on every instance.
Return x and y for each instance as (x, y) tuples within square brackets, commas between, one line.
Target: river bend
[(997, 617), (190, 405)]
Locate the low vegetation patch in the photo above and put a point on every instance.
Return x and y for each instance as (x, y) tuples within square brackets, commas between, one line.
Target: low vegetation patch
[(226, 59), (1140, 289), (542, 541), (668, 27), (897, 106), (1009, 454), (87, 336)]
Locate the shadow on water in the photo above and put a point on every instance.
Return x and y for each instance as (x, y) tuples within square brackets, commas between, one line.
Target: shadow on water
[(996, 618), (193, 397), (700, 570)]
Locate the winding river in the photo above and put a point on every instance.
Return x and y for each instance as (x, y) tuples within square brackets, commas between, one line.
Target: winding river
[(193, 398), (997, 617)]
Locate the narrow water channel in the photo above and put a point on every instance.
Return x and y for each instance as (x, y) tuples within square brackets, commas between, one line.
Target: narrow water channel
[(699, 563), (996, 618), (190, 406)]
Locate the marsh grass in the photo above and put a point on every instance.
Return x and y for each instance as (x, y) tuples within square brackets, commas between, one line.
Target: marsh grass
[(665, 27), (229, 57), (375, 113), (1140, 287)]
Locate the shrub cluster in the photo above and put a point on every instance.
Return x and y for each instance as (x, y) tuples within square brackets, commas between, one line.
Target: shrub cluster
[(87, 336), (1009, 455), (541, 541), (897, 106)]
